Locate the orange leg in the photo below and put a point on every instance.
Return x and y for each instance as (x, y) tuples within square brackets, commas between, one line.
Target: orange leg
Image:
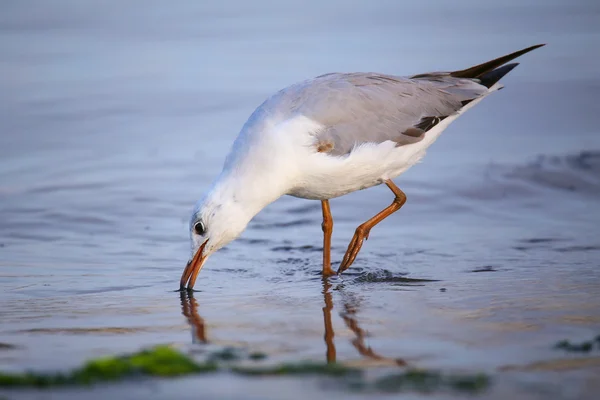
[(362, 232), (327, 226)]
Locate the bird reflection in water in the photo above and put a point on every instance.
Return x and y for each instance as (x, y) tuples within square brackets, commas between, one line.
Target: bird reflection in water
[(329, 333), (189, 308), (349, 316)]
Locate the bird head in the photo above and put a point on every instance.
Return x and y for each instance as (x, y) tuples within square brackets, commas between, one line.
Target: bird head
[(215, 222)]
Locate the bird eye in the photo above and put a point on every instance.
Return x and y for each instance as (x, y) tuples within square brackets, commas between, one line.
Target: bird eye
[(199, 228)]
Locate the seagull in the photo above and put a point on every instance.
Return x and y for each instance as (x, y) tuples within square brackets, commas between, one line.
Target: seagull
[(329, 136)]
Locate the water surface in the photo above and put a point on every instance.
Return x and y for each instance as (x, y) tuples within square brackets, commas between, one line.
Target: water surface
[(115, 117)]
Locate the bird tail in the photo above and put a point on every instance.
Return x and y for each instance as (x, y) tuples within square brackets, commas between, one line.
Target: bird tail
[(492, 71)]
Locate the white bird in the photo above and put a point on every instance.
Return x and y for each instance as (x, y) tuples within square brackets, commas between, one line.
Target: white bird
[(329, 136)]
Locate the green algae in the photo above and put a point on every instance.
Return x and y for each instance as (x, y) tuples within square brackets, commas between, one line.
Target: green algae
[(160, 361), (226, 354), (421, 381), (469, 383), (413, 380), (257, 356), (304, 368), (581, 347), (166, 362), (425, 381)]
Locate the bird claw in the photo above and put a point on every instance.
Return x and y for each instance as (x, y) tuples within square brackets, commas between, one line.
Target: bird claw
[(353, 249)]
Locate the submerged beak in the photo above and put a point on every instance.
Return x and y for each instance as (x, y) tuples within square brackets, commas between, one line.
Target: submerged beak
[(193, 267)]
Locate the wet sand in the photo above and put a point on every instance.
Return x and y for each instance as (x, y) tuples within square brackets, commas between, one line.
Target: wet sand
[(114, 119)]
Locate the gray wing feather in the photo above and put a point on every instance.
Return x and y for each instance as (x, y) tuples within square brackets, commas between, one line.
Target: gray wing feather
[(358, 108)]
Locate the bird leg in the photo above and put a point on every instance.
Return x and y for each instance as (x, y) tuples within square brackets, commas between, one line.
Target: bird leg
[(362, 232), (327, 226)]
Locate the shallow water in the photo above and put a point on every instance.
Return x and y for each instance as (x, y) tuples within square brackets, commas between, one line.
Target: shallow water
[(114, 119)]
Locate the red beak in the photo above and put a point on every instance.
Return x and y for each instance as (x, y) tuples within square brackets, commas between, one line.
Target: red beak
[(193, 267)]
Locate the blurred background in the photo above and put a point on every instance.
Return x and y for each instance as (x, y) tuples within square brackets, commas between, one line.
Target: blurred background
[(115, 117)]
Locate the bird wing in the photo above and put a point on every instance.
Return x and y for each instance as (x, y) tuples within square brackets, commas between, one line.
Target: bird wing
[(361, 108), (356, 108)]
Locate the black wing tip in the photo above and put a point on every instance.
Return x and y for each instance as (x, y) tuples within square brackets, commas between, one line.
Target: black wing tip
[(535, 46), (478, 71), (491, 78)]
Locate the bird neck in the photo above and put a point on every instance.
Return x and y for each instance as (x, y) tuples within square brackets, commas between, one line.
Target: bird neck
[(246, 190), (258, 170)]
